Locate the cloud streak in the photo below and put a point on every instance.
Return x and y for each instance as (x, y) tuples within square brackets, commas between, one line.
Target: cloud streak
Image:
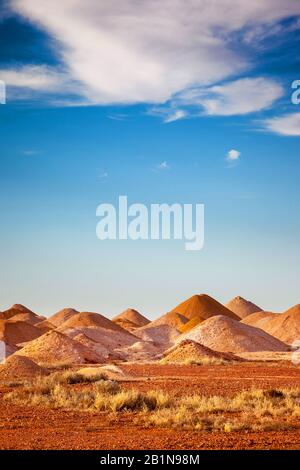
[(286, 125), (243, 96)]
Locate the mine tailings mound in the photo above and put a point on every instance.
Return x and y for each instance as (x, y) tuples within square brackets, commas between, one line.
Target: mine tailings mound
[(16, 367), (242, 307), (199, 308), (17, 332), (189, 350), (54, 347), (131, 318), (284, 326), (89, 320), (62, 316), (224, 334)]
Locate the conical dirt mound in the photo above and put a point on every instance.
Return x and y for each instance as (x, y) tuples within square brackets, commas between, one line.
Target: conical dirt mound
[(173, 319), (17, 332), (62, 316), (21, 313), (203, 306), (91, 320), (224, 334), (242, 307), (258, 319), (55, 347), (189, 350), (131, 318), (30, 318), (17, 367), (284, 326)]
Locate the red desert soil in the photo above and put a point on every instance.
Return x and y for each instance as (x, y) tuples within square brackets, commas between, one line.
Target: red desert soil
[(37, 428), (242, 307)]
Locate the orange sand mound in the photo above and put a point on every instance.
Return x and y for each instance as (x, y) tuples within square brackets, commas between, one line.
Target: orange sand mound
[(189, 350), (27, 317), (242, 307), (55, 347), (284, 326), (258, 319), (21, 313), (173, 319), (16, 367), (62, 316), (224, 334), (45, 326), (191, 324), (203, 306), (16, 332), (130, 319), (90, 320)]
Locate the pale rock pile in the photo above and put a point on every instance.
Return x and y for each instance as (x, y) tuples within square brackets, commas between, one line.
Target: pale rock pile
[(224, 334), (54, 347)]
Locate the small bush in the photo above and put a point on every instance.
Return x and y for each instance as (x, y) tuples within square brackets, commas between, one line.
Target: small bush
[(77, 378)]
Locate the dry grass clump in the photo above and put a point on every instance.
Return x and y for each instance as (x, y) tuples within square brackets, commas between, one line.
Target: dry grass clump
[(204, 361), (104, 395), (50, 381), (256, 410)]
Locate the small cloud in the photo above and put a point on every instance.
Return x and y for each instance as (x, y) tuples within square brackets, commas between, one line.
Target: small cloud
[(163, 166), (103, 175), (29, 152), (118, 117), (179, 114), (233, 155)]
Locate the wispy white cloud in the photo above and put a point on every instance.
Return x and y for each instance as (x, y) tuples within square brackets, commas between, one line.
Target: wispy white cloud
[(30, 152), (146, 51), (34, 77), (175, 115), (117, 116), (286, 125), (243, 96)]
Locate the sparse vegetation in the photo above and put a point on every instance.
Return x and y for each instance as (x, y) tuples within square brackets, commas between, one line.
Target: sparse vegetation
[(276, 409), (50, 381), (205, 361)]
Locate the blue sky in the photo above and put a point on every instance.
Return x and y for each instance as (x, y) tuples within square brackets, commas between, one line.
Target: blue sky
[(93, 116)]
